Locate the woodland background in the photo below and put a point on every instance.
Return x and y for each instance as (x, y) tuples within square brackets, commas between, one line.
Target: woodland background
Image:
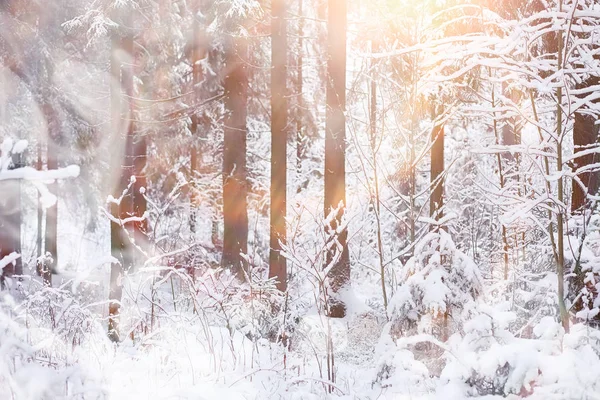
[(299, 199)]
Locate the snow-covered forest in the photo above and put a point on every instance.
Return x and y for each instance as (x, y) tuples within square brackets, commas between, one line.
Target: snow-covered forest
[(299, 199)]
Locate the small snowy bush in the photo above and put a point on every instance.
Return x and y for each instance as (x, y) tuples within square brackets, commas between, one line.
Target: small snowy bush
[(437, 289), (436, 295), (487, 359)]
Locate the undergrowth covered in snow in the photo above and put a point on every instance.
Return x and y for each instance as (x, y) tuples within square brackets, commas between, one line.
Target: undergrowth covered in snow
[(208, 337)]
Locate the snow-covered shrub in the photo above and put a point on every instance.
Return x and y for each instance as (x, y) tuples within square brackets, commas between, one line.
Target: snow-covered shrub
[(487, 359), (437, 289), (436, 295), (584, 284), (397, 369), (37, 363), (57, 313)]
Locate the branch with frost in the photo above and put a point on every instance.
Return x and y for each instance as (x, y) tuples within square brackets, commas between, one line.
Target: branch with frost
[(32, 174), (9, 259), (39, 179)]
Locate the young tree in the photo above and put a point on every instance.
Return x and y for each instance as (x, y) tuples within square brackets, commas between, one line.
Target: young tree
[(279, 119), (338, 257)]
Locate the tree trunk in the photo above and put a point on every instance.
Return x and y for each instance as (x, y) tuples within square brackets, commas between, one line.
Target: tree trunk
[(279, 114), (40, 209), (374, 151), (560, 262), (51, 234), (121, 125), (499, 158), (300, 136), (51, 231), (335, 153), (436, 199), (140, 149), (235, 185), (585, 136), (194, 151)]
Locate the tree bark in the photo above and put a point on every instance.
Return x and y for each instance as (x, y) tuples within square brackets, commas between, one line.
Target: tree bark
[(194, 151), (335, 153), (140, 149), (585, 136), (40, 210), (374, 151), (436, 199), (120, 124), (235, 185), (51, 232), (279, 119), (301, 137)]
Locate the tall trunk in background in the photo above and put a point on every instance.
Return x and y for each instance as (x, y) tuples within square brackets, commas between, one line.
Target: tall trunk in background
[(18, 216), (585, 136), (300, 134), (140, 150), (51, 233), (279, 119), (235, 185), (436, 199), (499, 158), (121, 125), (374, 150), (40, 209), (511, 136), (194, 151), (335, 153)]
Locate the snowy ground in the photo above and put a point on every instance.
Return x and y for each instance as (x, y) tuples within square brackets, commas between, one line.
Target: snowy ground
[(66, 354)]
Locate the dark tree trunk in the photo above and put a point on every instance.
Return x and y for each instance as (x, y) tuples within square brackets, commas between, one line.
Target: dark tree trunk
[(140, 149), (300, 134), (335, 152), (195, 118), (235, 185), (279, 114), (436, 199), (511, 134), (585, 136)]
